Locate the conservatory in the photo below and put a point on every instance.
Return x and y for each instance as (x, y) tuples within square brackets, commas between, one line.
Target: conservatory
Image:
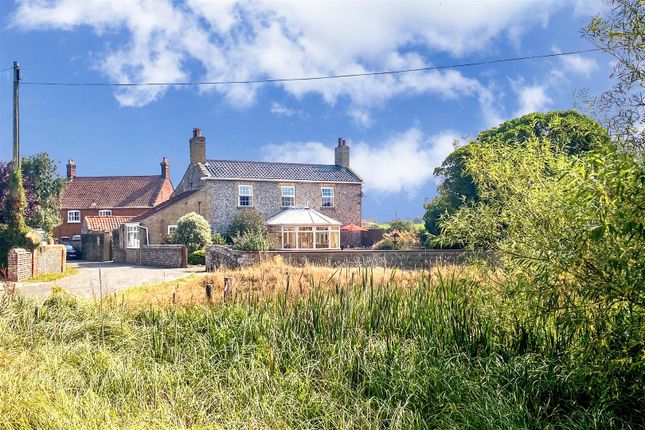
[(302, 228)]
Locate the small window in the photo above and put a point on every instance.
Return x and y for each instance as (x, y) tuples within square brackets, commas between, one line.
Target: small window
[(132, 235), (327, 197), (245, 197), (73, 216), (288, 196), (171, 229), (105, 212)]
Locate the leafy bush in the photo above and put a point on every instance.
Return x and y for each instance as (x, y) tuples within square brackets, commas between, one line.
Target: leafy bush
[(570, 234), (251, 241), (246, 221), (398, 240), (193, 231), (218, 239), (197, 257)]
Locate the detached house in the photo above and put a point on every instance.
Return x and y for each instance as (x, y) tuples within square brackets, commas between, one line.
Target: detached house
[(106, 196), (304, 204)]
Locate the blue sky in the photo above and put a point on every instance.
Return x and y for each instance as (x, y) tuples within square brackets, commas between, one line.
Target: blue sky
[(398, 127)]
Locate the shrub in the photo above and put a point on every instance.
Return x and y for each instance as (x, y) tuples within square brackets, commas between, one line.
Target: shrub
[(197, 257), (218, 239), (193, 231), (247, 221), (251, 241), (398, 240)]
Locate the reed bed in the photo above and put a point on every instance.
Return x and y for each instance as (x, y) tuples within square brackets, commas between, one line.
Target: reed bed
[(399, 351)]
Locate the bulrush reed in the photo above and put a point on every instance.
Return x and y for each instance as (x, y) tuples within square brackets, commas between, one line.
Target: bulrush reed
[(300, 348)]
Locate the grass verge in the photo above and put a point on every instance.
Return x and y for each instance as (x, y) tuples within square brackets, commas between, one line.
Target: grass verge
[(443, 351), (47, 277)]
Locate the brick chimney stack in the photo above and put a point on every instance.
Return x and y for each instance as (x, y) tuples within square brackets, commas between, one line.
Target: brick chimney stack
[(165, 168), (197, 147), (342, 153), (71, 169)]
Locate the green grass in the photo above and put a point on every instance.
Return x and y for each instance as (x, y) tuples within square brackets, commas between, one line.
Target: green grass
[(445, 354), (47, 277)]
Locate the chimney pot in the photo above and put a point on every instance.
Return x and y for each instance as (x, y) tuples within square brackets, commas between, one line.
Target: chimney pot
[(165, 168), (341, 153), (71, 169), (197, 147)]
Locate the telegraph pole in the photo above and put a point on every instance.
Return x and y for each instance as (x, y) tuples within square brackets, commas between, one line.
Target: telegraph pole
[(16, 116)]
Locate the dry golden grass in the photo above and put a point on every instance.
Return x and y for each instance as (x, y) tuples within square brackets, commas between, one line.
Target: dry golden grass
[(272, 277)]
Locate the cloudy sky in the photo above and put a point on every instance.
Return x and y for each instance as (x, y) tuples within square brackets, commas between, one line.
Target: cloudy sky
[(399, 127)]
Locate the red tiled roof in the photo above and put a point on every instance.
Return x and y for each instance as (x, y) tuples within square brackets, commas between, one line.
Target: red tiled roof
[(103, 223), (106, 192)]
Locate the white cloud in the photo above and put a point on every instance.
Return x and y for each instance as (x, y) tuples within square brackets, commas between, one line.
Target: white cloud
[(278, 109), (579, 64), (256, 40), (402, 163), (532, 98)]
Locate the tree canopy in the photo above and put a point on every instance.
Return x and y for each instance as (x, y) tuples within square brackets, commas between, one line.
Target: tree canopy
[(42, 190), (570, 131)]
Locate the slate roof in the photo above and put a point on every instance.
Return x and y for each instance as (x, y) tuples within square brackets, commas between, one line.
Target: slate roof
[(103, 223), (262, 170), (107, 192)]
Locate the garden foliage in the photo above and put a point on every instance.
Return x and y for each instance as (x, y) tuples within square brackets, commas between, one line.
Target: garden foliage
[(193, 231)]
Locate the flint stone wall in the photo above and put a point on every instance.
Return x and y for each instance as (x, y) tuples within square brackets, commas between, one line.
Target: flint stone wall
[(221, 256), (24, 264)]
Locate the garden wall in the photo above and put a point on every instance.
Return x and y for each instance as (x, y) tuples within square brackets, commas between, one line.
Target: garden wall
[(221, 256), (147, 255), (23, 264)]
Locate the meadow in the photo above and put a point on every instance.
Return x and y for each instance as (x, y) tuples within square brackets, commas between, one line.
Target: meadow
[(303, 348)]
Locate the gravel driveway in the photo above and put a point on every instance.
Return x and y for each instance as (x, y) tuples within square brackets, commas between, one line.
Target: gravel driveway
[(114, 277)]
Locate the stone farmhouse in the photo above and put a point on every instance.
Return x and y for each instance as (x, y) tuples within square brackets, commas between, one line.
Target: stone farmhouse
[(304, 204), (106, 196)]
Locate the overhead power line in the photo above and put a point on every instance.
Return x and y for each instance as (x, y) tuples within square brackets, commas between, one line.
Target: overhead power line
[(310, 78)]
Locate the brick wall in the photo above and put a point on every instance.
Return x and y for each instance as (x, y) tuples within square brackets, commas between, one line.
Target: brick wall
[(72, 229), (217, 256), (23, 264)]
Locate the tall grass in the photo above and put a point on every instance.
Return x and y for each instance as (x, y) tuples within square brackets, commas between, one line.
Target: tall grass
[(445, 352)]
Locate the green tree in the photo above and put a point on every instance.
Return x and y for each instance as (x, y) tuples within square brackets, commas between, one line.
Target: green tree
[(46, 185), (193, 231), (620, 32), (569, 233), (247, 221), (570, 131)]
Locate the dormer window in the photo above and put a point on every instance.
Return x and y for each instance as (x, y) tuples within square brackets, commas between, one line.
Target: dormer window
[(245, 196)]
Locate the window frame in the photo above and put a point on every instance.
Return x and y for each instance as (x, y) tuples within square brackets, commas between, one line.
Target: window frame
[(240, 195), (174, 226), (104, 212), (283, 196), (73, 221), (332, 197), (128, 229)]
